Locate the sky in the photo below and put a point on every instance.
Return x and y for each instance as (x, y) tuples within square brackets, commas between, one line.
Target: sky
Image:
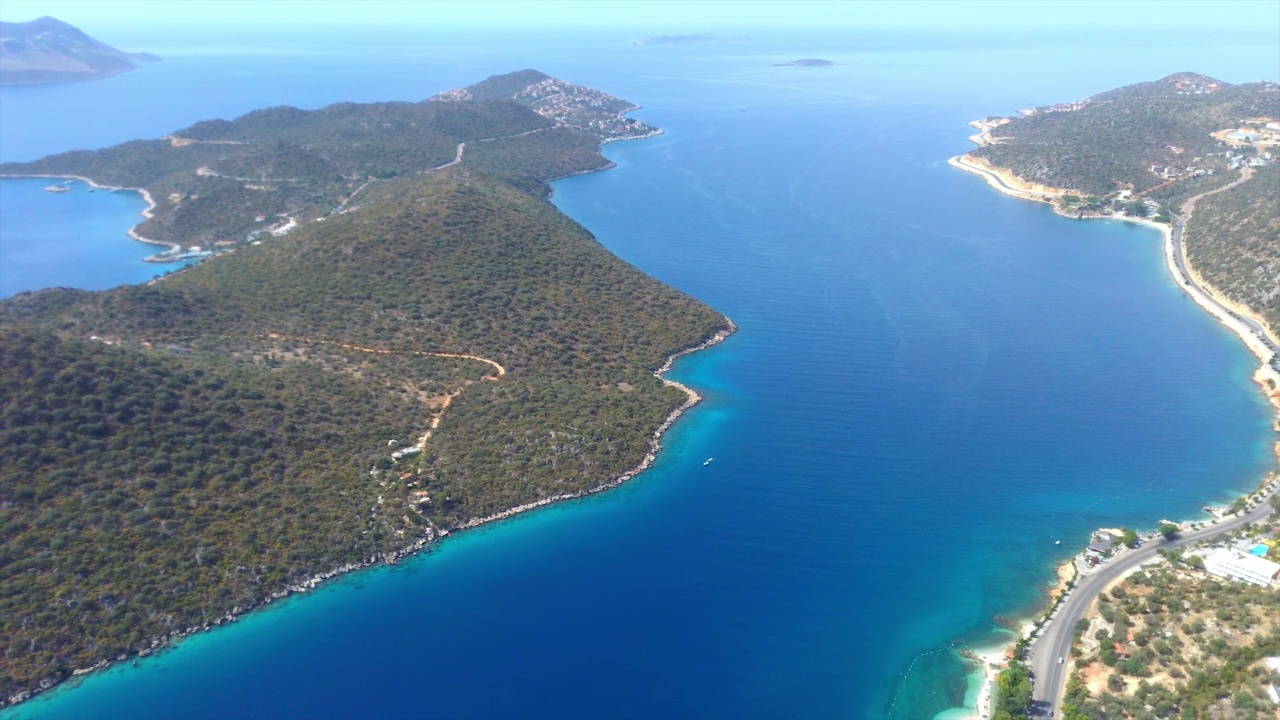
[(688, 15)]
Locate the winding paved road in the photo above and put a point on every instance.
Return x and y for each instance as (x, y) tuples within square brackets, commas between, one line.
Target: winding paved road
[(1054, 642), (1056, 637)]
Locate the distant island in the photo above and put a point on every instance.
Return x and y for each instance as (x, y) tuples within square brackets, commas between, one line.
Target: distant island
[(807, 62), (51, 51), (1196, 158), (399, 337), (684, 39)]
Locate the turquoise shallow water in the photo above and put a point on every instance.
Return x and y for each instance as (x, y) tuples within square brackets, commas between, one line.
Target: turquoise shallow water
[(933, 383)]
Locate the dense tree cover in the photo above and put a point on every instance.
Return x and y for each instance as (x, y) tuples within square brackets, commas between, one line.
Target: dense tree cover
[(143, 492), (530, 160), (1116, 138), (226, 433), (1189, 646), (350, 130), (137, 163), (1013, 692), (1233, 241), (452, 261)]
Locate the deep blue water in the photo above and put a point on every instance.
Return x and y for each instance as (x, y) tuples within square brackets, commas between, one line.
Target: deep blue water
[(933, 383)]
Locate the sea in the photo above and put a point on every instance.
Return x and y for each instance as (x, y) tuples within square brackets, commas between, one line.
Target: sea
[(936, 394)]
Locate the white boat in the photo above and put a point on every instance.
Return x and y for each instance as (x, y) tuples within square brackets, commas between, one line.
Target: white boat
[(708, 461)]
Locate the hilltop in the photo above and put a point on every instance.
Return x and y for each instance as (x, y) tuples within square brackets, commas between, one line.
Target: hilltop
[(442, 348), (48, 50)]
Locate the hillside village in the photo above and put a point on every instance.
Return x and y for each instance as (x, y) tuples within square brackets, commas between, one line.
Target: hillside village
[(573, 106)]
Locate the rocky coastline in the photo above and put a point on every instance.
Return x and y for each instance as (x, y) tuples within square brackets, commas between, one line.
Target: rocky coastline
[(691, 398), (430, 536), (175, 252), (427, 538)]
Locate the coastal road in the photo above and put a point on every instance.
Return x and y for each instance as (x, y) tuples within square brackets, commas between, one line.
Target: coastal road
[(1056, 637), (1057, 634), (1180, 259)]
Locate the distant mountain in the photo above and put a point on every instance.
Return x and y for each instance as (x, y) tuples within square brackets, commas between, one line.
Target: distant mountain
[(807, 62), (48, 51)]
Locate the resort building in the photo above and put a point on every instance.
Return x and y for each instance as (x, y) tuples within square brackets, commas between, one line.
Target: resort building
[(1100, 547), (1234, 565)]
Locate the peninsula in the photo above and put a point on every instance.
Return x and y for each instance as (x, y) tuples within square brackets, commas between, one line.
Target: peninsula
[(51, 51), (220, 183), (1196, 158), (400, 337)]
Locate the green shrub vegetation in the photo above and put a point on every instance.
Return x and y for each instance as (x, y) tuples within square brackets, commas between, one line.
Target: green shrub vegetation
[(227, 179), (1189, 646)]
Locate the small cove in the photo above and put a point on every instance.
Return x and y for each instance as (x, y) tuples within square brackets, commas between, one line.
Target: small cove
[(73, 239)]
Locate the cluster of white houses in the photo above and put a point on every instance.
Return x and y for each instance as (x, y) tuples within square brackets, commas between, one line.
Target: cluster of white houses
[(1233, 564)]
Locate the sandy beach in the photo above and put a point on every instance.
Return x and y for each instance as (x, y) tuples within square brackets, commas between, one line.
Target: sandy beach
[(993, 661)]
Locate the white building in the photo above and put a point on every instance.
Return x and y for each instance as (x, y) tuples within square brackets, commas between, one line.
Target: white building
[(1234, 565)]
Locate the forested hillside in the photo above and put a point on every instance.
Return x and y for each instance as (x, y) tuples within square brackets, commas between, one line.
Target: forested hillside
[(1233, 241), (1168, 642), (174, 452)]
